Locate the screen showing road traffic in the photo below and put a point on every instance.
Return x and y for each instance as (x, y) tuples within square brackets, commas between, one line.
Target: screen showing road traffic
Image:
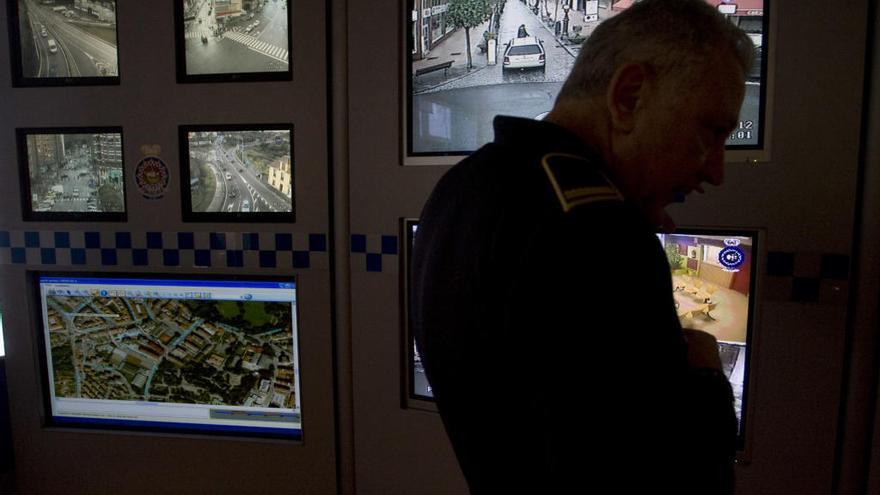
[(513, 59), (241, 173), (215, 356), (71, 173), (229, 37), (67, 39)]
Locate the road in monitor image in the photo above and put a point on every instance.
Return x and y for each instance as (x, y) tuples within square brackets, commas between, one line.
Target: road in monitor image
[(232, 353), (76, 172), (457, 88), (62, 39), (228, 37), (241, 171)]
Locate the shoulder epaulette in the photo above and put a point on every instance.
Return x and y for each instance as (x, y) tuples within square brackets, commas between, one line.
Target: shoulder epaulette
[(577, 181)]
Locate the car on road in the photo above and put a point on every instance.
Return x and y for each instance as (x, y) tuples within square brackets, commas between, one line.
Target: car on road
[(524, 53), (233, 194), (245, 206), (43, 32), (228, 176), (256, 23), (53, 47)]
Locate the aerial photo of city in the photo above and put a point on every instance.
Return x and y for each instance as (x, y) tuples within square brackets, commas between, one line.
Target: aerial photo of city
[(236, 36), (68, 38), (232, 353), (241, 171), (76, 172)]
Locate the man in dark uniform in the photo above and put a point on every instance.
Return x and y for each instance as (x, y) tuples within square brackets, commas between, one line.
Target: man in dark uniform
[(541, 298)]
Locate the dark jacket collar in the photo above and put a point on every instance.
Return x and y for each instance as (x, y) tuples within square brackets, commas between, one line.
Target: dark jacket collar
[(539, 135)]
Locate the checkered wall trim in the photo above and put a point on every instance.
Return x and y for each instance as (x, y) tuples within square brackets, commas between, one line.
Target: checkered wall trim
[(821, 278), (374, 252), (164, 249)]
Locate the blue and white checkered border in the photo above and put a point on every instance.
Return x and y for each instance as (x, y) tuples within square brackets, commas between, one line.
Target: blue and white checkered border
[(164, 249)]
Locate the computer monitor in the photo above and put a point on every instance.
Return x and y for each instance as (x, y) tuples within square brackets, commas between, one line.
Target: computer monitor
[(171, 353), (237, 173), (713, 277), (64, 43), (514, 60), (72, 173), (713, 284)]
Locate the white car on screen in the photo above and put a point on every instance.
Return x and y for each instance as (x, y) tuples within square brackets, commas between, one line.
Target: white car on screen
[(524, 53), (245, 206)]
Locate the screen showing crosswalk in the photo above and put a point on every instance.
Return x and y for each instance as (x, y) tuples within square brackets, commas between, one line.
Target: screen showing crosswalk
[(224, 37)]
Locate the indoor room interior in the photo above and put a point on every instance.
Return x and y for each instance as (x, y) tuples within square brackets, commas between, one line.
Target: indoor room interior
[(207, 210)]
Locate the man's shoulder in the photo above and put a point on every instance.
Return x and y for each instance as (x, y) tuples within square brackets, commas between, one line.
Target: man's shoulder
[(577, 181)]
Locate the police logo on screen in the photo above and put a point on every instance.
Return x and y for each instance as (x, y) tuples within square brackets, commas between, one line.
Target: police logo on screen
[(732, 256)]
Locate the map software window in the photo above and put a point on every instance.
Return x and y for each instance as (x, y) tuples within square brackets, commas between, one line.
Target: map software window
[(208, 355)]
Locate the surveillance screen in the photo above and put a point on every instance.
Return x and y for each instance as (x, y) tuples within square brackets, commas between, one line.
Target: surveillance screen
[(68, 38), (712, 286), (236, 36), (246, 171), (712, 278), (75, 173), (209, 355), (513, 60)]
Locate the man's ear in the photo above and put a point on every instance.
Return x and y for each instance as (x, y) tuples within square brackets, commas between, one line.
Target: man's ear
[(627, 88)]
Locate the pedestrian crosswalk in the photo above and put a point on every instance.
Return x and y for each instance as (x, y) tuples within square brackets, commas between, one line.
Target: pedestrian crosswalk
[(268, 49), (198, 33)]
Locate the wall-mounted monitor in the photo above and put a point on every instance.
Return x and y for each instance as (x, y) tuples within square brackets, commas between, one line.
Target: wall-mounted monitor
[(713, 276), (63, 42), (455, 87), (72, 173), (237, 173), (171, 353), (233, 40), (713, 280)]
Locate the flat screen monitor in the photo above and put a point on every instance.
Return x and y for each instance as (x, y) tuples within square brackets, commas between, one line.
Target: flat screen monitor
[(179, 354), (241, 173), (233, 40), (63, 42), (713, 277), (513, 61), (72, 173)]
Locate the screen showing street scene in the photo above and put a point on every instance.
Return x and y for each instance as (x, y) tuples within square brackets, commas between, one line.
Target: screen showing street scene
[(75, 173), (712, 281), (236, 36), (471, 60), (68, 38), (185, 354), (241, 171)]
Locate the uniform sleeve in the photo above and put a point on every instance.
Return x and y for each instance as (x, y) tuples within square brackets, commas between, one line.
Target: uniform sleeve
[(604, 327)]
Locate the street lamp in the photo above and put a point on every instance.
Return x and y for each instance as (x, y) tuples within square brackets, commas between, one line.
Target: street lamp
[(565, 8)]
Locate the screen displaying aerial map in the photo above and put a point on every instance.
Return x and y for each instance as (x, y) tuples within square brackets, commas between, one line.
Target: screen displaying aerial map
[(183, 354)]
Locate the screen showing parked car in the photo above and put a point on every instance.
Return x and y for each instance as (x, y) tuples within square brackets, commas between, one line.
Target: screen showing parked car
[(513, 61)]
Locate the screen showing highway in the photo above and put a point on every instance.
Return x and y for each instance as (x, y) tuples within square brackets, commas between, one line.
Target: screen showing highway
[(68, 38), (513, 61), (173, 353), (73, 172), (236, 36), (248, 171)]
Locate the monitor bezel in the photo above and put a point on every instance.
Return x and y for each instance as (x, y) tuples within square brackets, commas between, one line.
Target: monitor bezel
[(49, 420), (187, 213), (745, 154), (19, 80), (183, 77), (756, 235), (412, 400), (27, 212)]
